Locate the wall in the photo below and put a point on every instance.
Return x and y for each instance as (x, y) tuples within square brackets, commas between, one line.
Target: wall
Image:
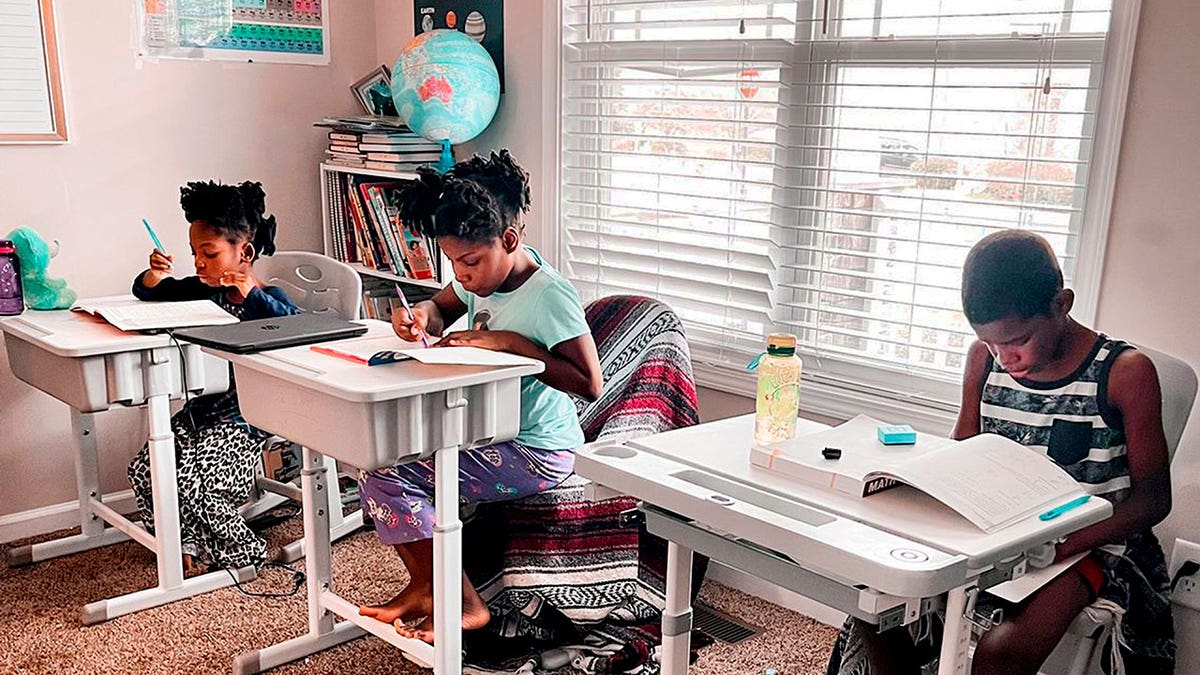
[(1149, 291), (139, 129)]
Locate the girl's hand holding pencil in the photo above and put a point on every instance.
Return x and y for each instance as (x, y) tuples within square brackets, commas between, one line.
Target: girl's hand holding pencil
[(161, 267), (410, 324)]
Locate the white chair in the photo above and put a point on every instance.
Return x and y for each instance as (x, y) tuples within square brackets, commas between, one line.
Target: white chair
[(318, 284), (315, 282), (1178, 383)]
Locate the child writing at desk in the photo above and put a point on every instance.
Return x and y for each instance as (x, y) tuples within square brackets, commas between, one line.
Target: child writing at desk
[(216, 451), (475, 212), (1094, 406)]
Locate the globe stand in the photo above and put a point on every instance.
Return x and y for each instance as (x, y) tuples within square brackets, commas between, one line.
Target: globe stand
[(446, 161)]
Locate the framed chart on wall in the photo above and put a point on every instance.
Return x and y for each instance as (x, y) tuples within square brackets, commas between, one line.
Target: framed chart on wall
[(31, 99), (257, 31)]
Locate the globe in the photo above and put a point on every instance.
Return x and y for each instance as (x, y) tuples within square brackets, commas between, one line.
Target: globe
[(445, 86)]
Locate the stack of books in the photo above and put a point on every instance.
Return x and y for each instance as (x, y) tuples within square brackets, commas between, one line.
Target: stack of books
[(377, 142)]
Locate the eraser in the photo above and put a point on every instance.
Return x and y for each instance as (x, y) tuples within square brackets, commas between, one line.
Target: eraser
[(831, 453), (896, 434)]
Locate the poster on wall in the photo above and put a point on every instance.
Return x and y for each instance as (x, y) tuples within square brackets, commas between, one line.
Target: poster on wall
[(267, 31), (482, 20)]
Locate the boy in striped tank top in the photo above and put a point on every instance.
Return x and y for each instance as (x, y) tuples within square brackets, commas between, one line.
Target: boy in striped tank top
[(1093, 405)]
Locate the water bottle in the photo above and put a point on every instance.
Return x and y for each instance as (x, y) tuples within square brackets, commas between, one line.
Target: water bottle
[(12, 301), (778, 400), (202, 21)]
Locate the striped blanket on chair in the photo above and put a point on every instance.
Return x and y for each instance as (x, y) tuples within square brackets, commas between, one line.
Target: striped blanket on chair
[(573, 587)]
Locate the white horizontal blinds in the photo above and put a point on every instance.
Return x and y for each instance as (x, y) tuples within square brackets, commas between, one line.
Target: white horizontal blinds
[(671, 146), (928, 125), (822, 166)]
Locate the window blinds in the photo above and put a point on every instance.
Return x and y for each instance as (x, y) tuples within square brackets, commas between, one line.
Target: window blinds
[(822, 167)]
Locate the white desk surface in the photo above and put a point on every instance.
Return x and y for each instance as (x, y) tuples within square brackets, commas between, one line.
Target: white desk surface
[(356, 382), (78, 334), (723, 448)]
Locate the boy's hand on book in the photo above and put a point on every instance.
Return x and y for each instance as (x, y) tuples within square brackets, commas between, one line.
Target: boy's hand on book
[(410, 329), (161, 267)]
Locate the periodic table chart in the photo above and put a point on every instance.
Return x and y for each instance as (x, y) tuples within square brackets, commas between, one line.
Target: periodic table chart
[(266, 31)]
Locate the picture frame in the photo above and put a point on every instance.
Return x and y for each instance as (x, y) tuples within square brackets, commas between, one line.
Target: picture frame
[(374, 92), (30, 74)]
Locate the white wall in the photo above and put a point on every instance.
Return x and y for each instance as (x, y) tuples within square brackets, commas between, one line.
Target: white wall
[(138, 131)]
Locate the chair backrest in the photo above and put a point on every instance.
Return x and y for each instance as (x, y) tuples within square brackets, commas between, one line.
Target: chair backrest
[(647, 367), (315, 282), (1178, 383)]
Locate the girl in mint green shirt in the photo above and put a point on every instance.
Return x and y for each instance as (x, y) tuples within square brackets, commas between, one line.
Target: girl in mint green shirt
[(515, 302)]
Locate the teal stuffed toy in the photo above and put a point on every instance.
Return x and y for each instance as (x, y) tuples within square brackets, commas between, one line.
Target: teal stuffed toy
[(40, 291)]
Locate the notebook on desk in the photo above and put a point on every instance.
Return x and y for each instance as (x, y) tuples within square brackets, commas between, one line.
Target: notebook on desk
[(131, 314), (259, 335)]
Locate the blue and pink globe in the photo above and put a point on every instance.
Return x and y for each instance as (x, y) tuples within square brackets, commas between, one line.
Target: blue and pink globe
[(445, 86)]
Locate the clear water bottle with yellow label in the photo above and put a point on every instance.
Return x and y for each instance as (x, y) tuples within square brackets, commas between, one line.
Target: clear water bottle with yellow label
[(778, 400)]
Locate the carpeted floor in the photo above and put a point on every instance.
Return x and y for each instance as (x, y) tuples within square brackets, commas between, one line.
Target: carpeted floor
[(40, 630)]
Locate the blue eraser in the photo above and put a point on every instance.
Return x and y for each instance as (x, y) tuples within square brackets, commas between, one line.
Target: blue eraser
[(896, 434)]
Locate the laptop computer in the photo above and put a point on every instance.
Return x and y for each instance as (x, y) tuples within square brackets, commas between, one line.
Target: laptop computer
[(259, 335)]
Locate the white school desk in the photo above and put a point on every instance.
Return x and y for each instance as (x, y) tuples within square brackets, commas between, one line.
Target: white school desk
[(370, 417), (92, 366), (886, 559)]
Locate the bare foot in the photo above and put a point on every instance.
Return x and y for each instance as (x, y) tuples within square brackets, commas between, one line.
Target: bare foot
[(414, 602), (475, 616), (191, 566)]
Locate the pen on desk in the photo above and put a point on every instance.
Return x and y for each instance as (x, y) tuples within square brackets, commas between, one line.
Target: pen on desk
[(1059, 510), (411, 317), (154, 237)]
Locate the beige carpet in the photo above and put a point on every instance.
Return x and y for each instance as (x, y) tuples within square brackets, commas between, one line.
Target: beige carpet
[(40, 630)]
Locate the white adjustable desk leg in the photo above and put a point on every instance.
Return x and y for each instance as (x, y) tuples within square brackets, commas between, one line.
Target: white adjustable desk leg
[(677, 613), (339, 525), (447, 566), (324, 631), (956, 634), (92, 533), (165, 487)]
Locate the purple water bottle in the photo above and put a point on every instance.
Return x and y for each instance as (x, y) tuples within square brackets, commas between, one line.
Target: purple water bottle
[(11, 300)]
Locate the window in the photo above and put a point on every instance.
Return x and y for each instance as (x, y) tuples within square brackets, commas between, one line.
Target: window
[(822, 167)]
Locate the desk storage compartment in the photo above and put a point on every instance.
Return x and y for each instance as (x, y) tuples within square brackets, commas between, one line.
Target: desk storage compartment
[(94, 383), (369, 435)]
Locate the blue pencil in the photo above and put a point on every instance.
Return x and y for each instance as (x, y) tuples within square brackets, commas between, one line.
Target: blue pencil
[(153, 237)]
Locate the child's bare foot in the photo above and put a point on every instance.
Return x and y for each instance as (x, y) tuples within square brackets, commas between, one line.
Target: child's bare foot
[(191, 566), (475, 616), (414, 602)]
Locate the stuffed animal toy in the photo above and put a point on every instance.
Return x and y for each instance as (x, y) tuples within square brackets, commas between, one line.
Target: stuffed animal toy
[(40, 291)]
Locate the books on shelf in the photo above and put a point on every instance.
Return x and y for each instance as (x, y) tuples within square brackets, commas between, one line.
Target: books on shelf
[(130, 314), (990, 480), (365, 226)]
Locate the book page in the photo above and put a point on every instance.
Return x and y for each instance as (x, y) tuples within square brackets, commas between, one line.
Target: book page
[(991, 480), (134, 315), (465, 356)]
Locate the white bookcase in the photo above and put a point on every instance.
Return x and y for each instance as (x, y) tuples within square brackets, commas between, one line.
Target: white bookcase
[(332, 175)]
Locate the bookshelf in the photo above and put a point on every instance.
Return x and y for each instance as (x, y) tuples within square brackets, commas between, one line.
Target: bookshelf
[(332, 176)]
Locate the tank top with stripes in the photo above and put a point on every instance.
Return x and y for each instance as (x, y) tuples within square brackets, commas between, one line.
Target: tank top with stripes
[(1068, 420)]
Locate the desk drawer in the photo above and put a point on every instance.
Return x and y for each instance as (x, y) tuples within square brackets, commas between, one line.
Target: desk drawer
[(95, 383), (381, 433)]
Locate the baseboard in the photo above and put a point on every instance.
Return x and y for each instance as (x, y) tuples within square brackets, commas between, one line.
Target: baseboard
[(56, 517), (768, 591)]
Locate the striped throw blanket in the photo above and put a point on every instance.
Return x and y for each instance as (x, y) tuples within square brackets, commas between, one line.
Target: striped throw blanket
[(572, 585)]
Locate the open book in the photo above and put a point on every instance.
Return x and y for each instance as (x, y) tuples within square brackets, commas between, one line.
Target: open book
[(131, 314), (374, 351), (990, 480)]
